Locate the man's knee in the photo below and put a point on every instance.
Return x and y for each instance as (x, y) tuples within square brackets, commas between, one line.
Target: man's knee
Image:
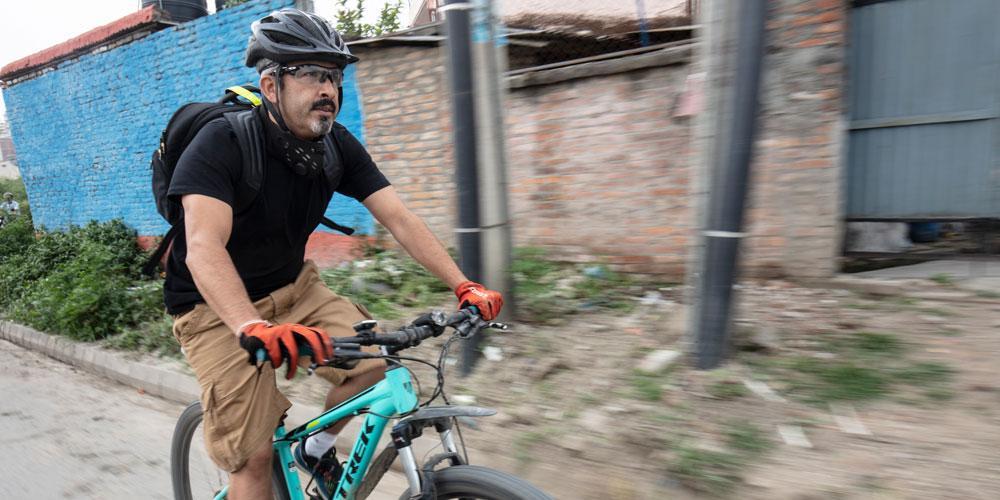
[(259, 461)]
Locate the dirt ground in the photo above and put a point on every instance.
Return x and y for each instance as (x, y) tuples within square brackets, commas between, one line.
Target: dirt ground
[(577, 419)]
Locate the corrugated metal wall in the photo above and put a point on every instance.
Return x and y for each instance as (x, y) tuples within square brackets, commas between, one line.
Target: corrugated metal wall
[(924, 85)]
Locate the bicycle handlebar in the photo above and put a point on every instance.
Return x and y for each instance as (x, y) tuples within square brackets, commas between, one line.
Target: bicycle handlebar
[(466, 322)]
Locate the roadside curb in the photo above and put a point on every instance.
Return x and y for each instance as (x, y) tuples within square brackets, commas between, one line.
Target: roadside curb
[(158, 382)]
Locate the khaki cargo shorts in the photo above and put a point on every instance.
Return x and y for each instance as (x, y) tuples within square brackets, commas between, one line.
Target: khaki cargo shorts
[(243, 405)]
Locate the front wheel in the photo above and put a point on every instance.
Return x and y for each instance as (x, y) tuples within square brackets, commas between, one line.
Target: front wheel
[(470, 481)]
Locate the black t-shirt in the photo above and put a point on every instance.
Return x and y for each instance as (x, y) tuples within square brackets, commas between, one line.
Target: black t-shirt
[(268, 239)]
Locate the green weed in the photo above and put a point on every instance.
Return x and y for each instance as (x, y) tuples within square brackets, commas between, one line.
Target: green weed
[(385, 281), (925, 373), (936, 311), (746, 438), (864, 306), (727, 389), (646, 387), (943, 279), (837, 381), (154, 337), (875, 343), (707, 471)]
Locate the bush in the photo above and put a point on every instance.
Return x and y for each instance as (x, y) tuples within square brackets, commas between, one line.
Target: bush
[(15, 237), (82, 283), (384, 281)]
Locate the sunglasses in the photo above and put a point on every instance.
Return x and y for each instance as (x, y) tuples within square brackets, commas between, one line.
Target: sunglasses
[(312, 74)]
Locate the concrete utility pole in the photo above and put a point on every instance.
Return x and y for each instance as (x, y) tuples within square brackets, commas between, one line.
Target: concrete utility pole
[(730, 172), (489, 64), (466, 175)]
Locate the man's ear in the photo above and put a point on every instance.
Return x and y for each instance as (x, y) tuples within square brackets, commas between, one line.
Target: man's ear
[(268, 88)]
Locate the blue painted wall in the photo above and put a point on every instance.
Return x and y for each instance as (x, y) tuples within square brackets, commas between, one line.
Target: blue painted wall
[(84, 132)]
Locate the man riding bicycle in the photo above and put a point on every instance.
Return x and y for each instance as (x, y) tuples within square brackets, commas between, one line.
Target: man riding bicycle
[(238, 282)]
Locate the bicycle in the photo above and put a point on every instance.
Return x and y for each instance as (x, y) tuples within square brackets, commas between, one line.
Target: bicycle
[(391, 398)]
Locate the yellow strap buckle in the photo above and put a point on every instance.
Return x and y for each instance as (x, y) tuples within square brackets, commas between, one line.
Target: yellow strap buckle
[(246, 94)]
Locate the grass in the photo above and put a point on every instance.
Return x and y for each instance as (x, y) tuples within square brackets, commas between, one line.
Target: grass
[(646, 387), (708, 471), (987, 294), (549, 290), (385, 281), (905, 301), (827, 381), (524, 445), (936, 311), (747, 438), (866, 366), (875, 343), (718, 472), (864, 306), (925, 373), (942, 279), (727, 389), (939, 394)]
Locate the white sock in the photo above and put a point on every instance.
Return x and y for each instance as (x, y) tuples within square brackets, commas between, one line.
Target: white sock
[(318, 444)]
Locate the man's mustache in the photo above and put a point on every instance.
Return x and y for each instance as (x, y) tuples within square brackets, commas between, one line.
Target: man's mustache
[(329, 104)]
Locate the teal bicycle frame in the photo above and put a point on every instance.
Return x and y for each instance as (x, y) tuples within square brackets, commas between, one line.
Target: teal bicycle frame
[(390, 398)]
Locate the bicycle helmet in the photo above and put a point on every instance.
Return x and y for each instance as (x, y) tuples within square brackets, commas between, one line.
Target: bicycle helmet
[(290, 35)]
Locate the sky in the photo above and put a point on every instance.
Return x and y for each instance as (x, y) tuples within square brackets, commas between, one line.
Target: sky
[(26, 28)]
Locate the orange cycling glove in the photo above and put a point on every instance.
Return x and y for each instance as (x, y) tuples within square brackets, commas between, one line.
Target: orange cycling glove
[(488, 302), (282, 343)]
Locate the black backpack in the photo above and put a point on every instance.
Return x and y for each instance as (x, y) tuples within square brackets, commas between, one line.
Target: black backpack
[(181, 130)]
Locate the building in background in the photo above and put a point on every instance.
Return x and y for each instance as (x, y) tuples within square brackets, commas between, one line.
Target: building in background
[(86, 114), (870, 111), (8, 158)]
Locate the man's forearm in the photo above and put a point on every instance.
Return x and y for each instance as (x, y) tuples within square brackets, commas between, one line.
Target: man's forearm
[(418, 241), (216, 278)]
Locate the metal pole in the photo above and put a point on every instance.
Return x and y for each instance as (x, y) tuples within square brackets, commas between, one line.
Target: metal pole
[(640, 7), (488, 49), (728, 193), (466, 177)]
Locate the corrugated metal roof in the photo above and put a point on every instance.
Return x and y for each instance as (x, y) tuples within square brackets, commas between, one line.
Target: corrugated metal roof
[(593, 8)]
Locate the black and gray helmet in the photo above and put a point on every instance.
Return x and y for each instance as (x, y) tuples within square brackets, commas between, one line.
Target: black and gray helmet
[(290, 35)]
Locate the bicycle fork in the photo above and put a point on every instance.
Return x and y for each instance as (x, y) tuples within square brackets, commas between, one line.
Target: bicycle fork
[(402, 438)]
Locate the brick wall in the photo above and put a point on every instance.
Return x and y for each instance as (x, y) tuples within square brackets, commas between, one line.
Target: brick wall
[(404, 93), (85, 130), (602, 163), (796, 213), (600, 168)]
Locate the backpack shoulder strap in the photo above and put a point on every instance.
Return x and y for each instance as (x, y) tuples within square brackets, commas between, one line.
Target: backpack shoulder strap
[(250, 136), (334, 164)]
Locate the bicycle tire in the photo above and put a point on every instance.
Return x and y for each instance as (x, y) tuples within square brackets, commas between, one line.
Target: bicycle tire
[(471, 481), (180, 454)]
